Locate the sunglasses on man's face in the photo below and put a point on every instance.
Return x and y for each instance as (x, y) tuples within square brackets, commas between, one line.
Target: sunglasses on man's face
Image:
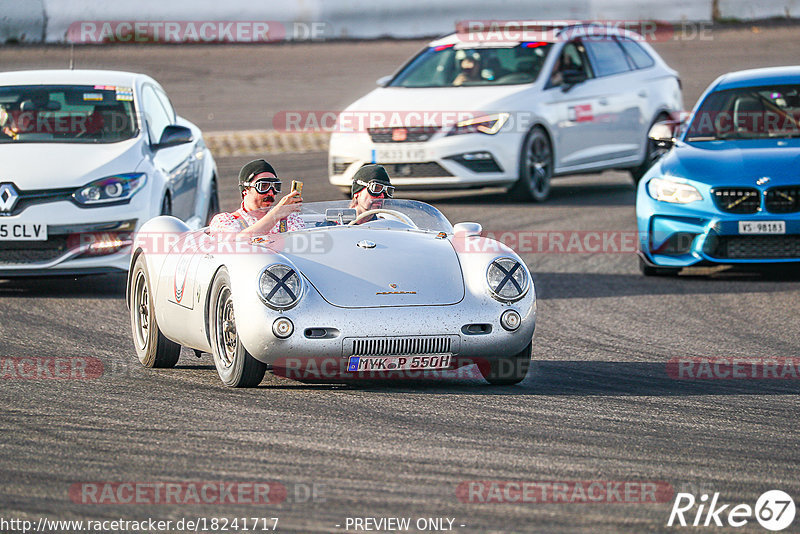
[(376, 188), (263, 186)]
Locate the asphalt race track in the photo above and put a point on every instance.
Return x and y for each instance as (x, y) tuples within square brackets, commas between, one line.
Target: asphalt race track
[(598, 405)]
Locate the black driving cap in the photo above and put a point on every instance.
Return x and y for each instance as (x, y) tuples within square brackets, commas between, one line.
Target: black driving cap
[(254, 168), (367, 174)]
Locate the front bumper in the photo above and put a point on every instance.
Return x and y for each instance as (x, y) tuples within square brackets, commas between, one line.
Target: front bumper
[(680, 236), (79, 241), (323, 330), (460, 161)]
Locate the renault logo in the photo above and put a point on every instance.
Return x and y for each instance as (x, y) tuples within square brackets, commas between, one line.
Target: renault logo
[(8, 197)]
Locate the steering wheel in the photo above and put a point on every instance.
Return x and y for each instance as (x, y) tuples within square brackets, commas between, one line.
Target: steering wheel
[(402, 216)]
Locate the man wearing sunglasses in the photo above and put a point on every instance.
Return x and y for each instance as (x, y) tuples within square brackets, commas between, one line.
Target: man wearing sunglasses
[(371, 185), (259, 185)]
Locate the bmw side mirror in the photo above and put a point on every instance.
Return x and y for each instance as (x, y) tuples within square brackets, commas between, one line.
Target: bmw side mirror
[(383, 81), (174, 135), (662, 134)]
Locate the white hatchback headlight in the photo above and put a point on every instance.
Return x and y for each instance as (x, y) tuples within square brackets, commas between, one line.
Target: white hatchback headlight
[(507, 279), (280, 286), (117, 188), (675, 192)]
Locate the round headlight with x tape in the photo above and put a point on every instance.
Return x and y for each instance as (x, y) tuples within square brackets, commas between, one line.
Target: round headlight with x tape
[(507, 279), (280, 286)]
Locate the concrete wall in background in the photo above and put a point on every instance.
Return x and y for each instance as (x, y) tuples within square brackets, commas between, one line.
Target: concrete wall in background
[(21, 21), (35, 20), (750, 9)]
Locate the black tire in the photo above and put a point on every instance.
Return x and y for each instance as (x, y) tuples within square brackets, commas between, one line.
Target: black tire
[(535, 167), (152, 348), (508, 370), (652, 270), (235, 366), (651, 155), (166, 205), (213, 202)]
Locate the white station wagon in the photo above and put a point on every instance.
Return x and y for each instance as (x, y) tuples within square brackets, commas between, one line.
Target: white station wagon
[(86, 157), (466, 112)]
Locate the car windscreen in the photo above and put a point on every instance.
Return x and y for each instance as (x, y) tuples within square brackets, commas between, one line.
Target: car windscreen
[(747, 113), (424, 216), (453, 66), (66, 114)]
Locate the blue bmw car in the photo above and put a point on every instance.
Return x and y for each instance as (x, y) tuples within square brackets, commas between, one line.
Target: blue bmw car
[(727, 191)]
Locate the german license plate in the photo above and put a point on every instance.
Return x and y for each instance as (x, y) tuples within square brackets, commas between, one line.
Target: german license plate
[(23, 231), (399, 363), (762, 227), (400, 155)]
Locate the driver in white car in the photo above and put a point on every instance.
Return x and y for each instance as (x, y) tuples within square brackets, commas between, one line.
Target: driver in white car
[(370, 186)]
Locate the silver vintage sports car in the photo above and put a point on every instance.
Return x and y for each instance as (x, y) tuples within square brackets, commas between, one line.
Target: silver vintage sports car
[(392, 293)]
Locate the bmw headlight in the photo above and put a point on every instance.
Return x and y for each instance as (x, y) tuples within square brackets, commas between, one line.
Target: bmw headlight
[(507, 279), (117, 188), (675, 192), (280, 286), (488, 124)]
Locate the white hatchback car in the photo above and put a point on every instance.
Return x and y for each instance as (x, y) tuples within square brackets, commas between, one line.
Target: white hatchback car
[(471, 113), (88, 157)]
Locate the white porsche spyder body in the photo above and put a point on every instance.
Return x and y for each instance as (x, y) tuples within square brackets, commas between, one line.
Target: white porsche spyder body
[(407, 293), (86, 158)]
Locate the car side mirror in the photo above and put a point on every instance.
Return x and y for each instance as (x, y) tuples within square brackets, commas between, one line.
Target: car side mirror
[(383, 81), (662, 134), (572, 77), (174, 135), (469, 229)]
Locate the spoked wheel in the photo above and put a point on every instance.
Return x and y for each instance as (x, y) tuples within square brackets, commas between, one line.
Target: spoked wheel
[(235, 366), (509, 370), (536, 167), (152, 348)]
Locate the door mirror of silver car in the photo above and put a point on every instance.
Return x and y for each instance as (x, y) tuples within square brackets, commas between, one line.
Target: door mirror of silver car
[(469, 229), (383, 81), (572, 77), (174, 135), (340, 216), (662, 134)]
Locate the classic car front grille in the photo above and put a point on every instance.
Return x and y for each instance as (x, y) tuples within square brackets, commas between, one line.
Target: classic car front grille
[(415, 170), (413, 134), (380, 346), (753, 247), (21, 252), (783, 199), (737, 199)]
